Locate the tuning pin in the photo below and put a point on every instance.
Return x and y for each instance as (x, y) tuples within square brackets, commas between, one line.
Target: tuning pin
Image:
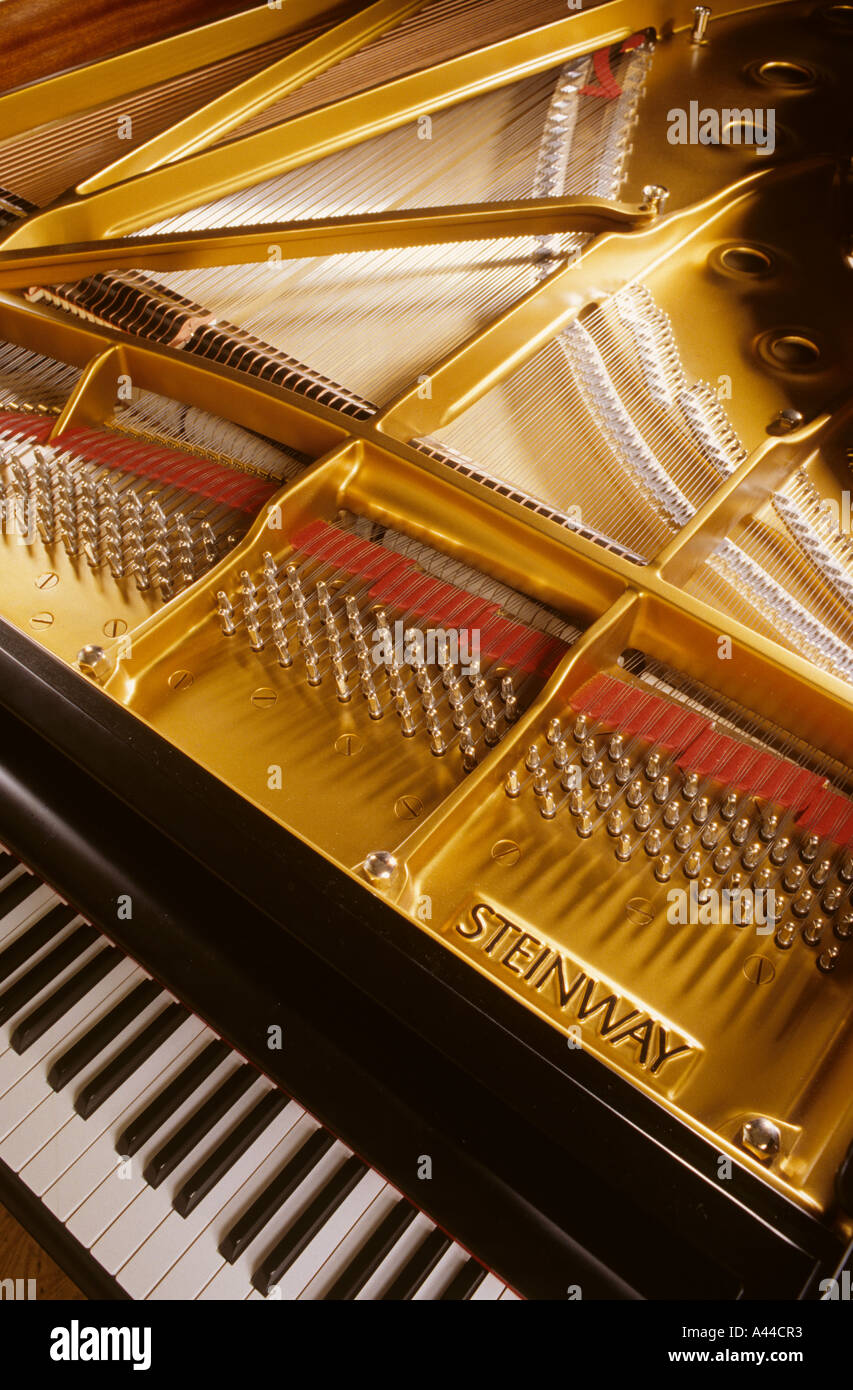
[(710, 835), (512, 785), (491, 733), (763, 879), (693, 864), (751, 855), (624, 848), (643, 817), (576, 806), (554, 734), (785, 936), (533, 761), (652, 843), (548, 809), (404, 710), (728, 810), (683, 837), (634, 794), (561, 756), (671, 813), (844, 926), (813, 931), (480, 690), (801, 905), (437, 743), (653, 767), (820, 872), (579, 732), (468, 749), (615, 748), (342, 689), (614, 823), (690, 787), (623, 771), (663, 869), (368, 690), (779, 851), (845, 871), (828, 959), (740, 831), (832, 899), (208, 543), (226, 613), (793, 877), (723, 859), (701, 810), (584, 826), (540, 781), (605, 798), (597, 774), (809, 848), (589, 752), (661, 789), (510, 701)]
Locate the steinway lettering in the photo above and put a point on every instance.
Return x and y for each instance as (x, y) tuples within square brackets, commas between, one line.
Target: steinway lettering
[(578, 996)]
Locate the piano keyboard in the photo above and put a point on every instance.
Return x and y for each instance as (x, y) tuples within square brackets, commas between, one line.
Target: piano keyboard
[(182, 1170)]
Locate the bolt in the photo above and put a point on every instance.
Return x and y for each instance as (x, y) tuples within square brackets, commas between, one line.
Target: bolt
[(701, 15), (93, 662), (761, 1138), (181, 680), (263, 697), (380, 867)]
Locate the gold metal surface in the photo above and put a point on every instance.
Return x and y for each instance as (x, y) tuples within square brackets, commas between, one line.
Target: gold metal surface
[(727, 1025)]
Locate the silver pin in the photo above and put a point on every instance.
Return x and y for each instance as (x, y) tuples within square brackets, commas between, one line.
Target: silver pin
[(533, 760), (561, 756), (510, 701), (615, 823), (576, 806), (554, 734), (779, 851), (801, 905), (643, 817), (844, 926), (597, 774), (653, 767), (663, 869), (701, 810), (723, 859), (208, 543), (512, 786), (769, 826), (548, 809), (467, 749), (584, 826), (740, 830), (831, 899), (615, 748), (711, 835), (763, 878), (793, 877), (623, 771), (579, 732), (820, 873), (661, 790), (845, 871), (701, 15), (690, 787), (809, 848), (624, 848), (604, 798), (437, 743), (728, 810), (226, 613), (671, 813), (491, 733), (683, 837), (635, 793), (652, 843), (404, 710), (692, 865), (813, 932), (589, 752), (785, 936), (751, 855), (828, 959), (540, 781)]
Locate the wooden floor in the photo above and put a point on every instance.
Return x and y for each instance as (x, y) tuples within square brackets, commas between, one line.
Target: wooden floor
[(22, 1258)]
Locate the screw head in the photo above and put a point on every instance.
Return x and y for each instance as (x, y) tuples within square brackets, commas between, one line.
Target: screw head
[(380, 866), (94, 662), (785, 421), (761, 1138)]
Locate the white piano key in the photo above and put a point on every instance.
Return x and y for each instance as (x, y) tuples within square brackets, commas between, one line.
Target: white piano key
[(394, 1261), (347, 1248), (109, 1196), (75, 1136), (235, 1281), (146, 1212), (43, 1121), (315, 1254), (152, 1262), (40, 900), (508, 1293), (438, 1279), (31, 1088), (198, 1265), (491, 1288), (66, 1030)]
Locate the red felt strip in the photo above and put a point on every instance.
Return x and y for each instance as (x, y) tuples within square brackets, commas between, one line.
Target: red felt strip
[(607, 85)]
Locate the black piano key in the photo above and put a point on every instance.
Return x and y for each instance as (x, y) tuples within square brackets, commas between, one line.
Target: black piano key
[(275, 1194), (368, 1259), (15, 893), (306, 1226), (24, 947), (198, 1125), (466, 1281), (86, 1049), (31, 1028), (421, 1263), (39, 976), (233, 1146), (164, 1105), (116, 1072)]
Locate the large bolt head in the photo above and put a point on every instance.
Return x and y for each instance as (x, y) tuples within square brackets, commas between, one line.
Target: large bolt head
[(761, 1138)]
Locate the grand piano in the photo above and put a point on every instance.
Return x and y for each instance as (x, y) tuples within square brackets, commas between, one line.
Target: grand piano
[(426, 603)]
